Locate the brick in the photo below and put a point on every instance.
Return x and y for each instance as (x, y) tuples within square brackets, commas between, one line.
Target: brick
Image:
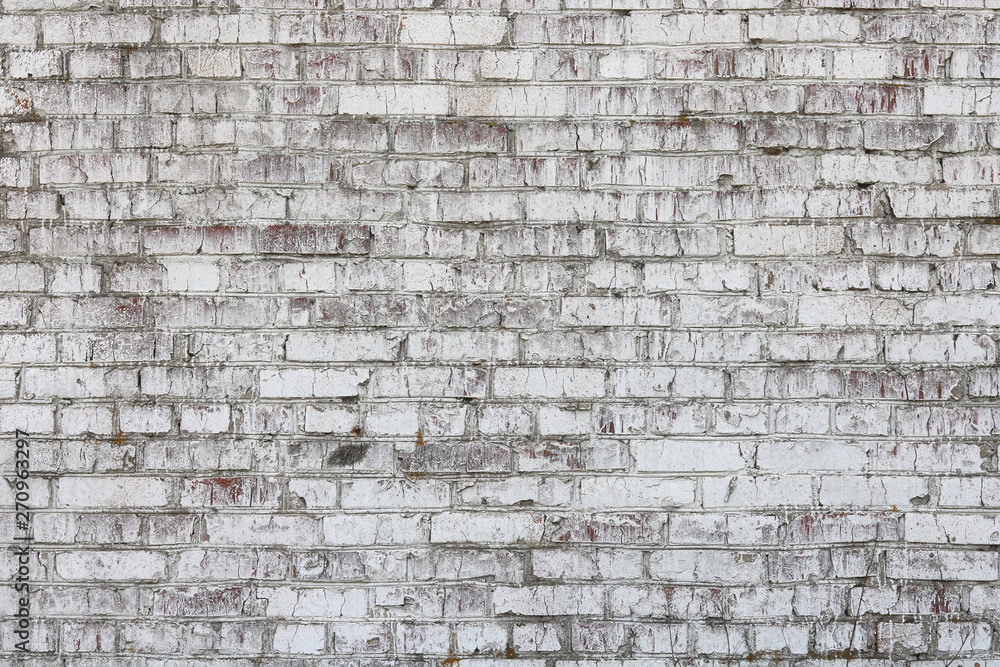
[(850, 310), (107, 28), (550, 383), (549, 600), (788, 240), (790, 28), (683, 29), (710, 567), (112, 565), (35, 64), (202, 601), (460, 527), (443, 29), (970, 309), (145, 418), (375, 529), (763, 491), (112, 493), (94, 169), (265, 529), (688, 457), (302, 382), (18, 29), (636, 492), (520, 101), (339, 347), (393, 100), (242, 28), (927, 564), (230, 492), (299, 639), (216, 564), (855, 491)]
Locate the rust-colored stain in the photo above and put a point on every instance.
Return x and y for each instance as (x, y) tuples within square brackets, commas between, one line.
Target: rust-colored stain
[(941, 603), (131, 310), (246, 491)]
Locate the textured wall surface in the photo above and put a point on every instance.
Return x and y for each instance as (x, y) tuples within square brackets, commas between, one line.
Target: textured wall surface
[(518, 333)]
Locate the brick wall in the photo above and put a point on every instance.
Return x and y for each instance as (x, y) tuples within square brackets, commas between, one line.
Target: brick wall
[(503, 333)]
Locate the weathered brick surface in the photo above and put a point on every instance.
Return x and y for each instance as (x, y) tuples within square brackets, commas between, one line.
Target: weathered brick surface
[(529, 332)]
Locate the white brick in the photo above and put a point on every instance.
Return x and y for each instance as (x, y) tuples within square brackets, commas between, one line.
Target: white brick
[(307, 382), (687, 456), (300, 639), (548, 382), (112, 565), (628, 492), (394, 100), (364, 529), (774, 240), (112, 492), (486, 528), (457, 29)]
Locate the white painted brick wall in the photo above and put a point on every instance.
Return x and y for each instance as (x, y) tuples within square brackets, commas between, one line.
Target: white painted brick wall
[(539, 333)]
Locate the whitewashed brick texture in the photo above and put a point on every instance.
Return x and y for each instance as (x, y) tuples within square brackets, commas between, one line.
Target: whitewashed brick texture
[(503, 333)]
